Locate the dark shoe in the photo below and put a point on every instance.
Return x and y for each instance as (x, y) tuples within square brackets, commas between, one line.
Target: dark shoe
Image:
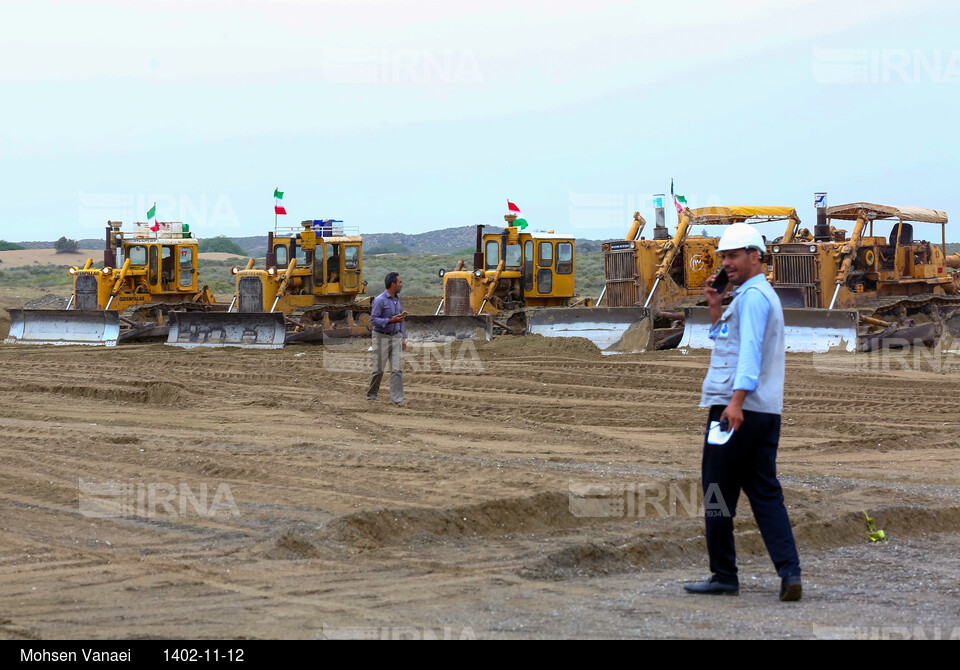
[(790, 588), (713, 587), (373, 398)]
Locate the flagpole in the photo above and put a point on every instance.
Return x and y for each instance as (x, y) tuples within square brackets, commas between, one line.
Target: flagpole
[(275, 189)]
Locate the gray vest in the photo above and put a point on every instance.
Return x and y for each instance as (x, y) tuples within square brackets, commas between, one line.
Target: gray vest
[(718, 384)]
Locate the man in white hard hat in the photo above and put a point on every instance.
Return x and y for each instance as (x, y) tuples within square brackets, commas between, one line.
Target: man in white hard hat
[(744, 391)]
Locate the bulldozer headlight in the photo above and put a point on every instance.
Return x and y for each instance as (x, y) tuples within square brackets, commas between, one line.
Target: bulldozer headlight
[(441, 273), (478, 273), (776, 250), (813, 249), (72, 270), (271, 271), (234, 270), (106, 271)]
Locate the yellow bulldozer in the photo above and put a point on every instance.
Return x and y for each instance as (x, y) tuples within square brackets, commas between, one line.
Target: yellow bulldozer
[(863, 291), (308, 291), (899, 287), (667, 273), (147, 273), (515, 275)]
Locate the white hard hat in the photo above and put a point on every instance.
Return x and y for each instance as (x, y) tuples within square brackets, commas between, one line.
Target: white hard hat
[(742, 236)]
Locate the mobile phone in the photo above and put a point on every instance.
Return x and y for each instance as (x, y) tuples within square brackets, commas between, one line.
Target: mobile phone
[(720, 281), (724, 425)]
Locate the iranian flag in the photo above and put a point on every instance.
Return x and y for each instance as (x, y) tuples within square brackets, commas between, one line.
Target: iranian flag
[(152, 214), (519, 223), (677, 199), (278, 205)]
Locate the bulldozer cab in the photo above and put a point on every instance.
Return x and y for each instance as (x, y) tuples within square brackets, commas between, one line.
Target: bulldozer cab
[(341, 267), (872, 267), (329, 262), (170, 267), (139, 267), (541, 263)]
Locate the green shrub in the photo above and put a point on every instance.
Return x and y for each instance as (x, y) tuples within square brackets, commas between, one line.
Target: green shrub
[(66, 246), (10, 246), (220, 244)]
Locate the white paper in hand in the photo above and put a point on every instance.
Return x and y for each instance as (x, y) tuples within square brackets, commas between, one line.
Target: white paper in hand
[(717, 436)]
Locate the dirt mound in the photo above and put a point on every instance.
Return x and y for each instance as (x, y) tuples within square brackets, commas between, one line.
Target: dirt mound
[(538, 344), (815, 533), (294, 545), (47, 301), (164, 393), (367, 530), (4, 323), (148, 393)]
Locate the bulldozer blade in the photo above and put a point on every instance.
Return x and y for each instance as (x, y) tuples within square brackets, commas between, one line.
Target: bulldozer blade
[(614, 330), (448, 328), (64, 326), (256, 330), (804, 330)]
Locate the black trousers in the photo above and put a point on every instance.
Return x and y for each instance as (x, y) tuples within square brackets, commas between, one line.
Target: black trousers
[(747, 461)]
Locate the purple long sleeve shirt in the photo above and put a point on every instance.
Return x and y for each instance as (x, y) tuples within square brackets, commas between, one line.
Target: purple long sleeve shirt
[(384, 308)]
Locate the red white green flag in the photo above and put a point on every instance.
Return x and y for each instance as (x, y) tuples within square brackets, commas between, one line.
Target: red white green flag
[(278, 207), (512, 207), (677, 199), (152, 214)]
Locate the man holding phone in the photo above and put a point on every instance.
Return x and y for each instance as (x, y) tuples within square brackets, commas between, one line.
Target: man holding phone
[(744, 391), (389, 339)]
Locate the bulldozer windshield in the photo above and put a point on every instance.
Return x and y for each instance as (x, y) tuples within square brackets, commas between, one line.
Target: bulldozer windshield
[(492, 255), (186, 266), (351, 258), (137, 255), (333, 262), (514, 257)]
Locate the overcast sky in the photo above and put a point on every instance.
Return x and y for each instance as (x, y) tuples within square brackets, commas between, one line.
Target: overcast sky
[(414, 116)]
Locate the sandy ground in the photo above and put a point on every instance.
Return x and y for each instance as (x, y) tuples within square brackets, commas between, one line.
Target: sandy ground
[(12, 259), (465, 514)]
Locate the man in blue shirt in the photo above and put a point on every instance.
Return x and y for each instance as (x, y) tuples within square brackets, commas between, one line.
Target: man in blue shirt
[(744, 391), (389, 339)]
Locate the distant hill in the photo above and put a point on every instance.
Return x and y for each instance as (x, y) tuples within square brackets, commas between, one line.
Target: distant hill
[(446, 241)]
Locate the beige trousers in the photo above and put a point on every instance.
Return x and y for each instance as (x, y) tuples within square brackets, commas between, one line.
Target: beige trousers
[(387, 348)]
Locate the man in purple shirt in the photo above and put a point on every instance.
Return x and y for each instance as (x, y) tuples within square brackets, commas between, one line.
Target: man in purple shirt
[(389, 339)]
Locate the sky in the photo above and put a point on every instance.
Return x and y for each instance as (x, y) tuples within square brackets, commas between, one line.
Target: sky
[(416, 116)]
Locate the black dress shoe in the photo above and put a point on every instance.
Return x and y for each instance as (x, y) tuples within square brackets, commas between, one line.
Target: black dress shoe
[(790, 588), (713, 587)]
